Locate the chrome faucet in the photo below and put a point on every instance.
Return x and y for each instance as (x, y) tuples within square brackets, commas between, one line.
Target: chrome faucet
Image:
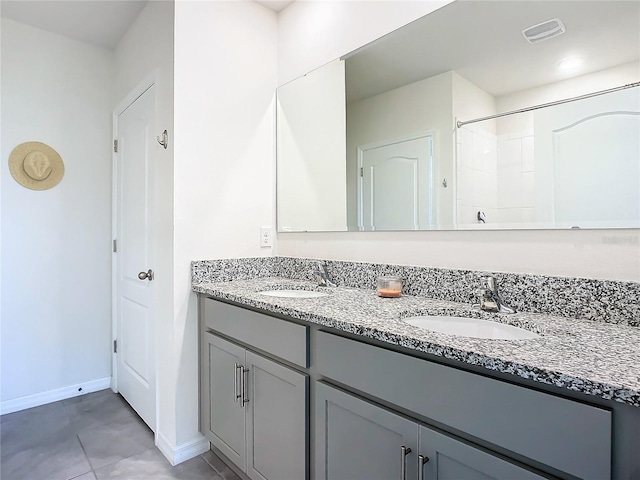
[(490, 299), (321, 275)]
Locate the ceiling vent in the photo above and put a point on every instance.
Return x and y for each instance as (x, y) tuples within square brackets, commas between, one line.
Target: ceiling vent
[(544, 31)]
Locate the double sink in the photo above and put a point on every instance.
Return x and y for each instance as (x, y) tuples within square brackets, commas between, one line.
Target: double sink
[(450, 325)]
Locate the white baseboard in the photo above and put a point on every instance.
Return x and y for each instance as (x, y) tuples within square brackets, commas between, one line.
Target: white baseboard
[(181, 453), (30, 401)]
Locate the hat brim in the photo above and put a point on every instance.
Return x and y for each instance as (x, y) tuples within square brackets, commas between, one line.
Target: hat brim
[(16, 161)]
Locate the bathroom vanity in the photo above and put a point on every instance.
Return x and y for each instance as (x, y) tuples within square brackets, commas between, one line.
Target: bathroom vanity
[(339, 387), (254, 389)]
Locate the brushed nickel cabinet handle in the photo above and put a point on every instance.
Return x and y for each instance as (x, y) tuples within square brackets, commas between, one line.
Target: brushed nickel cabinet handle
[(421, 461), (236, 396), (245, 380), (404, 451)]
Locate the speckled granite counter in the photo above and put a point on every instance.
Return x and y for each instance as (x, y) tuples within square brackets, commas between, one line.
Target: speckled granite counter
[(591, 357)]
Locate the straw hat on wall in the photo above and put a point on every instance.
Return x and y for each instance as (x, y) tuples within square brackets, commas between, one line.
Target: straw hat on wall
[(36, 165)]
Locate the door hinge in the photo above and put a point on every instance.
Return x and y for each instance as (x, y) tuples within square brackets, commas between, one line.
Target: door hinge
[(361, 172), (115, 146), (115, 245), (115, 346)]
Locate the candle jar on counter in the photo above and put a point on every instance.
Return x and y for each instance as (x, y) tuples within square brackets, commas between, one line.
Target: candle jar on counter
[(389, 286)]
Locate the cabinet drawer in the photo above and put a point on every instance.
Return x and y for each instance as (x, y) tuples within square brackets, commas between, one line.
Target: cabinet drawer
[(570, 436), (287, 340)]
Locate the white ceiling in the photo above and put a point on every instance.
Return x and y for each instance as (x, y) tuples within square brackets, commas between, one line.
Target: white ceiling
[(483, 42), (98, 22), (275, 5)]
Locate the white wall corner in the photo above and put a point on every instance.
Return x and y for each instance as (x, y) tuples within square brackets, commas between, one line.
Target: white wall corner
[(30, 401), (181, 453)]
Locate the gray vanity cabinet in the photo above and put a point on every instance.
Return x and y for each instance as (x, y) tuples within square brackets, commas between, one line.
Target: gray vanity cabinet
[(357, 440), (378, 412), (223, 420), (276, 421), (555, 432), (254, 410), (444, 458)]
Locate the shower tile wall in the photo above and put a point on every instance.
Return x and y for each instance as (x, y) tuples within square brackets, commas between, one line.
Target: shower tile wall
[(477, 175), (495, 175), (516, 177)]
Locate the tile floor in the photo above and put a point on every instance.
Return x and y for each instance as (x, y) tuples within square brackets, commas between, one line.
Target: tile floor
[(95, 436)]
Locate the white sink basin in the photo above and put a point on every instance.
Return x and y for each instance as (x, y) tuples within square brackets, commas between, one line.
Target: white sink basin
[(293, 293), (470, 327)]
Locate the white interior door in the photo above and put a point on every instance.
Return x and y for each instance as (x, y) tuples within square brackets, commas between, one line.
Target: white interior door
[(590, 150), (395, 185), (135, 319), (598, 182)]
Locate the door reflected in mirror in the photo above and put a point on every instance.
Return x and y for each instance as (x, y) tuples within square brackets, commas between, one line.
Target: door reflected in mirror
[(395, 187), (372, 142)]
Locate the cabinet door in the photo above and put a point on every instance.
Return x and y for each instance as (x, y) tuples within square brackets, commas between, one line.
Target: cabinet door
[(450, 459), (223, 416), (276, 421), (356, 440)]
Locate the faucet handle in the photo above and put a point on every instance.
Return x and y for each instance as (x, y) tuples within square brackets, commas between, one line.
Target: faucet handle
[(319, 267), (316, 271), (489, 282), (490, 299), (321, 275)]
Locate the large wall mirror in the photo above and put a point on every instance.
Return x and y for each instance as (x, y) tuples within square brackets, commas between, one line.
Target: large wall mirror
[(393, 136)]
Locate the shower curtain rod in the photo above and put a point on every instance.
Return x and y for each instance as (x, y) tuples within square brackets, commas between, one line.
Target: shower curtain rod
[(550, 104)]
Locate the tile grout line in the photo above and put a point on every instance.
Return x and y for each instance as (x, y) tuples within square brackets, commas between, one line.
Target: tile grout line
[(77, 418), (87, 457), (212, 467), (218, 472), (66, 412)]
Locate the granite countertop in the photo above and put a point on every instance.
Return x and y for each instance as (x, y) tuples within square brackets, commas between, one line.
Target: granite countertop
[(595, 358)]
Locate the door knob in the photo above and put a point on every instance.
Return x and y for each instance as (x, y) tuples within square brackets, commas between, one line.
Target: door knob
[(146, 275)]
